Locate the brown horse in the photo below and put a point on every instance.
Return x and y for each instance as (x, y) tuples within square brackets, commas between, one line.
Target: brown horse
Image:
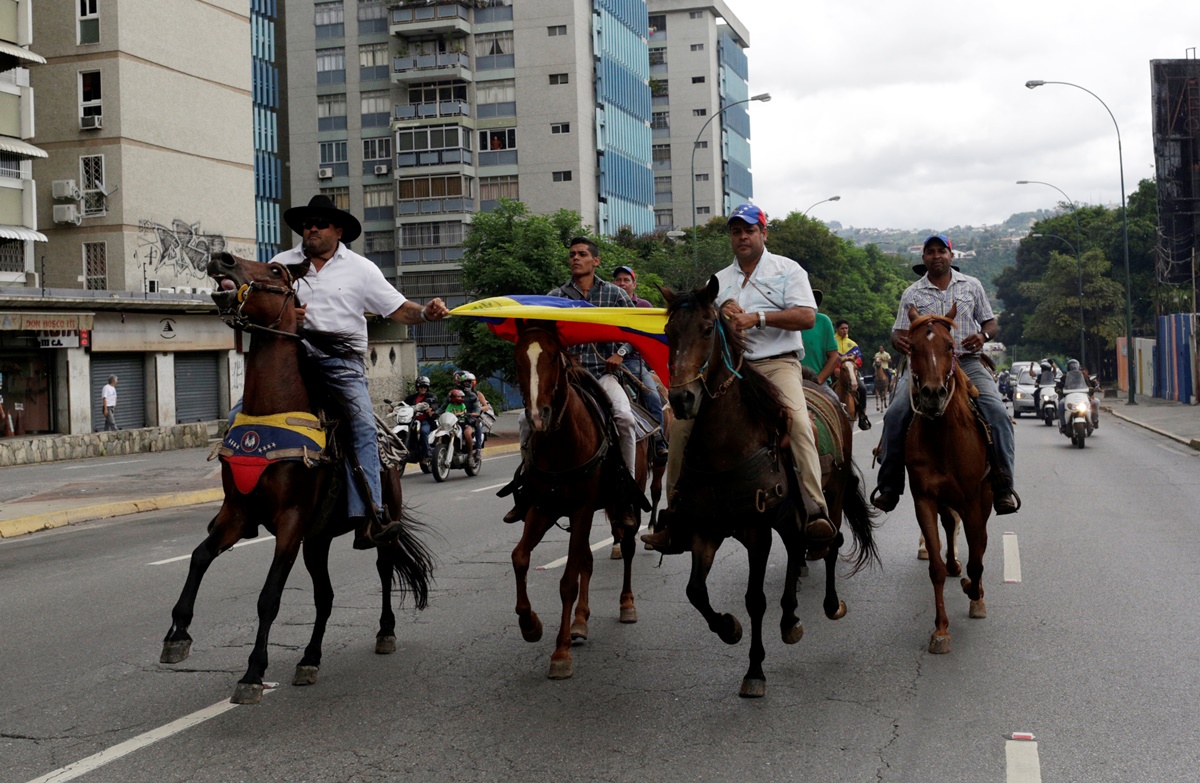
[(737, 480), (301, 505), (572, 472), (946, 455), (845, 386)]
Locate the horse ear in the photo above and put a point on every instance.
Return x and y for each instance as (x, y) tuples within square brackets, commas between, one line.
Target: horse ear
[(953, 311), (912, 313), (298, 271), (667, 293), (712, 289)]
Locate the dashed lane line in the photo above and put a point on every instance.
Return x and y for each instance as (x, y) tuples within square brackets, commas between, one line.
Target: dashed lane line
[(1012, 559), (1021, 759), (235, 546), (563, 561)]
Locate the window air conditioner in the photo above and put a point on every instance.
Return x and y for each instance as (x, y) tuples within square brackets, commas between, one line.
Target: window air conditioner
[(67, 213), (324, 173), (66, 189), (381, 169), (90, 123)]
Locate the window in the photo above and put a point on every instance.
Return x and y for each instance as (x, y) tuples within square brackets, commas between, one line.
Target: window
[(495, 188), (659, 88), (661, 156), (372, 16), (698, 47), (91, 182), (435, 137), (379, 202), (702, 177), (373, 62), (431, 234), (493, 50), (89, 22), (375, 108), (662, 188), (339, 196), (703, 210), (560, 127), (331, 66), (331, 112), (699, 112), (437, 92), (560, 78), (555, 30), (695, 15), (95, 266), (89, 94), (496, 99), (664, 218), (12, 255), (658, 55), (658, 23), (449, 186), (333, 152), (660, 120), (380, 247), (329, 20), (562, 176), (498, 139), (10, 165), (698, 80), (377, 149), (702, 145)]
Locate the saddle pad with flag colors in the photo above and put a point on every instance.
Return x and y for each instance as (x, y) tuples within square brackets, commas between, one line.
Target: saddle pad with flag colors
[(254, 442), (826, 412)]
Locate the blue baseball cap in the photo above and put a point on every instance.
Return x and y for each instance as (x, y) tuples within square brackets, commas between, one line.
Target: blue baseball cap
[(750, 214), (945, 240), (627, 270)]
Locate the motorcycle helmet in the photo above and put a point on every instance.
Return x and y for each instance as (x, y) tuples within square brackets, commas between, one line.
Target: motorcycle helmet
[(456, 395), (466, 377), (423, 381), (1072, 364), (1046, 367)]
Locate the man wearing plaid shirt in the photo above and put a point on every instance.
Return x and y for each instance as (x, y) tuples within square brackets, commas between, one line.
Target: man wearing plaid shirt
[(940, 287)]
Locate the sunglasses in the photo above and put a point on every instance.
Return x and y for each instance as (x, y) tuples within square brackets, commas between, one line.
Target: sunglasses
[(316, 223)]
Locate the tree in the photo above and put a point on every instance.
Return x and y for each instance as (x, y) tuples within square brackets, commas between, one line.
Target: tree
[(1054, 321)]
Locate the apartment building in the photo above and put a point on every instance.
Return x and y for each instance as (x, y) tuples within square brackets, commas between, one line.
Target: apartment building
[(698, 66), (270, 129), (18, 194), (416, 116)]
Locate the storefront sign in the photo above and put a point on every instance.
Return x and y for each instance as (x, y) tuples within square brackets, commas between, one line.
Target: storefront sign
[(37, 322), (158, 332), (54, 338)]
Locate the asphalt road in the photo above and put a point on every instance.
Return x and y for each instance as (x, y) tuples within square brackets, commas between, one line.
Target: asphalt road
[(1090, 651)]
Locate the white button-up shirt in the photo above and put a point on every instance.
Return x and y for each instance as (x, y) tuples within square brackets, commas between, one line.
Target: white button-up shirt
[(777, 283), (967, 292), (337, 297)]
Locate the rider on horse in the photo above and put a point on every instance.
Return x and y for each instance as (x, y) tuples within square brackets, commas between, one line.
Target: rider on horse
[(939, 288), (820, 345), (339, 288), (769, 299), (626, 279)]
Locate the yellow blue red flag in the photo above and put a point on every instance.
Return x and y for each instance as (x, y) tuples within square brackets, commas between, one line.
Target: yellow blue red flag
[(579, 322)]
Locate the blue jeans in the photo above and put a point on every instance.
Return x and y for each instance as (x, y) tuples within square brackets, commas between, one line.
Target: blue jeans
[(347, 380), (899, 415)]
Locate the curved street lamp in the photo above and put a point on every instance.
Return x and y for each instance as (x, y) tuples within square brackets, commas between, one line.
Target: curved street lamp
[(1032, 83), (1078, 262), (764, 97), (822, 201)]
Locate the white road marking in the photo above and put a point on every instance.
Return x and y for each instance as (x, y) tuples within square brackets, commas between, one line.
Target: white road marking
[(84, 766), (1023, 765), (235, 546), (563, 561), (104, 465), (1012, 559), (494, 486)]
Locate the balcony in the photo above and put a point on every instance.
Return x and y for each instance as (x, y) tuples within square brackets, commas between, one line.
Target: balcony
[(457, 156), (445, 17), (428, 67), (429, 111), (433, 206)]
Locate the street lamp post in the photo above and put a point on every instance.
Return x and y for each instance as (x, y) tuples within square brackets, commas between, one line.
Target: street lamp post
[(764, 97), (1130, 369), (822, 201), (1079, 241)]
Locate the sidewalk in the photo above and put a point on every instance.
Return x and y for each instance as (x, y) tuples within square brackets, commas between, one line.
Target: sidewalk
[(1174, 420), (50, 495)]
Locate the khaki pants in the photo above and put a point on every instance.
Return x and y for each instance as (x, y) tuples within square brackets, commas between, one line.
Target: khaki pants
[(788, 378)]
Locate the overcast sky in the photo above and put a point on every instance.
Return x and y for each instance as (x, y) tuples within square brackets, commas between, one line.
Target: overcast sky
[(915, 111)]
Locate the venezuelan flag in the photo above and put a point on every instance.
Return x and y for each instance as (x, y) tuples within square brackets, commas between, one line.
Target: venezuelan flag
[(579, 322)]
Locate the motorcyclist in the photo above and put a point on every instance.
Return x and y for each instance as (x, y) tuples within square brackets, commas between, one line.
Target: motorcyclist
[(423, 394), (465, 383), (1045, 380), (484, 407), (456, 404), (1075, 379)]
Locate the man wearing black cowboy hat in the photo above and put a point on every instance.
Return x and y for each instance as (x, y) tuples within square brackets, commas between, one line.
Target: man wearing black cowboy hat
[(338, 289)]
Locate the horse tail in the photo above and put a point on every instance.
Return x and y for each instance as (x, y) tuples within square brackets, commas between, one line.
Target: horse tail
[(861, 517), (410, 559)]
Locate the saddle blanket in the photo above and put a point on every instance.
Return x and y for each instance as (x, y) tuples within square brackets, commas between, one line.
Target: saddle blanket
[(254, 442)]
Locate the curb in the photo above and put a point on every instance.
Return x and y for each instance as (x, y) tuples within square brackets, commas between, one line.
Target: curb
[(1192, 442), (11, 528)]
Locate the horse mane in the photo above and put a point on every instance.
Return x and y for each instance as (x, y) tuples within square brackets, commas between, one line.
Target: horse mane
[(580, 377), (339, 344)]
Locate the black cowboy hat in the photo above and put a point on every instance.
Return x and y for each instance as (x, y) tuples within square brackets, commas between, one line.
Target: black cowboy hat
[(321, 206)]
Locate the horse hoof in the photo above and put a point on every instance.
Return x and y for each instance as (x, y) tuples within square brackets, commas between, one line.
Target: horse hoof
[(531, 628), (174, 652), (247, 693), (731, 630), (753, 688), (578, 631), (838, 613), (628, 614), (939, 645), (615, 553), (790, 636), (922, 553), (305, 675), (954, 568), (385, 645), (978, 610), (561, 669), (803, 573)]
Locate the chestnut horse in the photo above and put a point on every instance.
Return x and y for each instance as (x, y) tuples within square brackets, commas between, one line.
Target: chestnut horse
[(737, 480), (300, 505), (572, 472), (946, 455), (845, 386)]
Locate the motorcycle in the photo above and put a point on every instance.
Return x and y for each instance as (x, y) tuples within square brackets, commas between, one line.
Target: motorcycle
[(1048, 407), (406, 425), (447, 450), (1079, 417)]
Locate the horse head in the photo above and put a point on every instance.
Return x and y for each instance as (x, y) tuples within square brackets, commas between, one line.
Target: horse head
[(702, 347), (251, 293), (932, 361), (541, 372)]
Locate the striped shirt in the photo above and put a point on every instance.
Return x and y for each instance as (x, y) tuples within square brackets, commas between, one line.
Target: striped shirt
[(967, 292), (601, 294)]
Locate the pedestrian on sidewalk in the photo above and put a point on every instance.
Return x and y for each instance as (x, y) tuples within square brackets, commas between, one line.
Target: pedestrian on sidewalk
[(108, 404)]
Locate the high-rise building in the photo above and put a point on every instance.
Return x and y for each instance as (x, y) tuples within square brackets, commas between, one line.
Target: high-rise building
[(18, 194), (698, 66), (270, 140), (1175, 106), (417, 115)]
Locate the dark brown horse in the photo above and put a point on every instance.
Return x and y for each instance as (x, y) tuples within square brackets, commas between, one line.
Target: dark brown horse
[(946, 455), (302, 506), (737, 479), (574, 459)]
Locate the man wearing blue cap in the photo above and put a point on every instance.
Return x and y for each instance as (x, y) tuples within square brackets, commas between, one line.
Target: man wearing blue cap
[(769, 300), (940, 287)]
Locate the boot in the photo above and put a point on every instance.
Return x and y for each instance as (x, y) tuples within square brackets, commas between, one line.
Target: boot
[(815, 524), (372, 533), (1004, 499), (521, 500), (666, 539)]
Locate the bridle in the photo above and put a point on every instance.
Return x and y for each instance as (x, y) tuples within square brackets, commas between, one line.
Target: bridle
[(237, 318), (564, 363), (726, 357), (950, 380)]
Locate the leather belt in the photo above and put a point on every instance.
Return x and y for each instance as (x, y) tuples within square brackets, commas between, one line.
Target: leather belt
[(789, 355)]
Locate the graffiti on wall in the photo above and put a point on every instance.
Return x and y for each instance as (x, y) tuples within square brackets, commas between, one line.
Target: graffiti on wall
[(181, 248)]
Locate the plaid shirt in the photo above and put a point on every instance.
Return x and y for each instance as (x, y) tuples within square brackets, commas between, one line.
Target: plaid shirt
[(601, 294), (967, 292)]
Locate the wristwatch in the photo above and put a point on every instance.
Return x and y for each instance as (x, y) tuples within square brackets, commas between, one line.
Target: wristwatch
[(621, 352), (762, 319)]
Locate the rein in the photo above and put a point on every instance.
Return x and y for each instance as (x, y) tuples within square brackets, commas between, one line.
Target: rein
[(949, 380), (237, 318), (726, 357)]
